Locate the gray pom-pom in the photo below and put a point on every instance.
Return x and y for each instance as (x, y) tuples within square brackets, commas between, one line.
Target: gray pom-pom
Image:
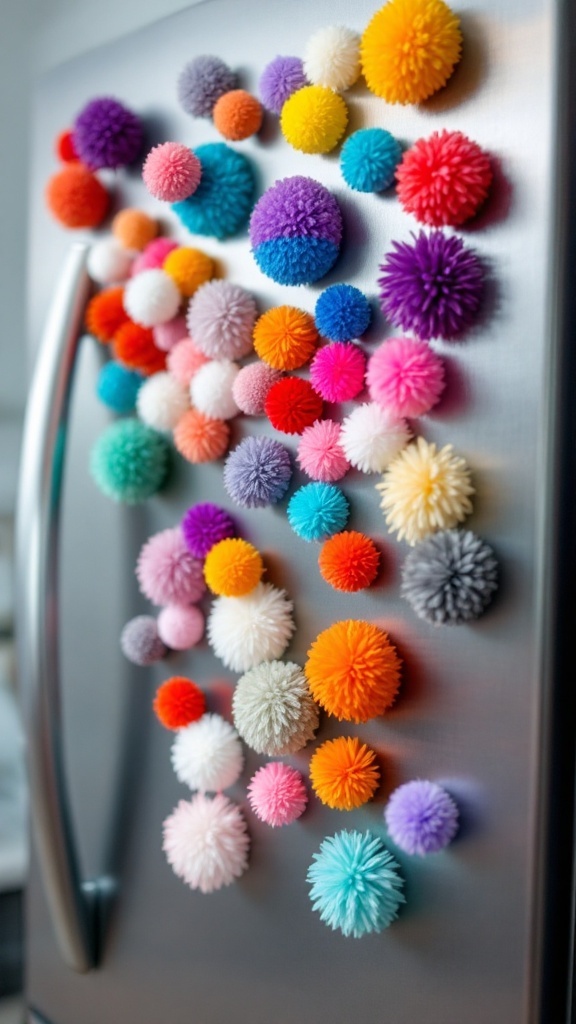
[(450, 577)]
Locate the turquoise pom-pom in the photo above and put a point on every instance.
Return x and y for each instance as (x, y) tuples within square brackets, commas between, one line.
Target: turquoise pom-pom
[(130, 461), (117, 387), (369, 159), (221, 205), (342, 312), (296, 260), (355, 884), (317, 511)]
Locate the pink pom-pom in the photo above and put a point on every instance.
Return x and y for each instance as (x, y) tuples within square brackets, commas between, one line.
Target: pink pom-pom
[(171, 172), (320, 453), (277, 794), (167, 572), (153, 256), (206, 842), (184, 360), (251, 387), (405, 377), (180, 627), (444, 179), (337, 371), (167, 335)]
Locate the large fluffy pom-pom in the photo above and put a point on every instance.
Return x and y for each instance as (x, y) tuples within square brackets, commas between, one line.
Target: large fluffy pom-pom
[(181, 627), (211, 389), (277, 794), (161, 402), (206, 842), (207, 754), (238, 115), (105, 314), (353, 670), (349, 561), (233, 567), (130, 461), (134, 346), (204, 525), (252, 386), (118, 387), (151, 298), (292, 404), (108, 262), (178, 702), (314, 119), (444, 179), (107, 134), (337, 371), (167, 573), (258, 472), (244, 631), (220, 319), (220, 206), (317, 510), (140, 642), (273, 710), (371, 438), (421, 817), (332, 57), (184, 360), (202, 82), (280, 78), (450, 577), (405, 377), (343, 773), (369, 159), (355, 884), (320, 453), (342, 312), (201, 438), (285, 337), (171, 172)]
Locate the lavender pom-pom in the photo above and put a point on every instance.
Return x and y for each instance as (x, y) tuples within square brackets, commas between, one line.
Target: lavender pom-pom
[(107, 134), (280, 78), (202, 82), (433, 287), (204, 525), (257, 473), (140, 642), (450, 577), (421, 817)]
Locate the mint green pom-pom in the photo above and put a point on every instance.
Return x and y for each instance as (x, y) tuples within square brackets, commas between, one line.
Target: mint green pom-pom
[(130, 461)]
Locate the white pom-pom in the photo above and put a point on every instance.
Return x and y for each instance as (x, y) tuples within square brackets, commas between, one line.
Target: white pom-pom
[(371, 438), (161, 401), (207, 755), (273, 709), (220, 319), (206, 842), (151, 298), (244, 631), (332, 57), (109, 262), (211, 389)]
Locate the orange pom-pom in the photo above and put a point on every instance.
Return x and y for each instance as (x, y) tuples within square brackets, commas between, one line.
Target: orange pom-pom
[(343, 773), (233, 567), (105, 314), (237, 115), (200, 438), (134, 346), (134, 229), (353, 670), (76, 198), (349, 561), (285, 337), (178, 702), (64, 147), (188, 268)]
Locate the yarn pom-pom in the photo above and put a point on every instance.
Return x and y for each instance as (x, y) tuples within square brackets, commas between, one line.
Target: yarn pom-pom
[(201, 438), (189, 269), (107, 134), (153, 256), (151, 298), (220, 206), (257, 473), (134, 229), (233, 567), (425, 489), (369, 159), (421, 817), (168, 334), (244, 631), (130, 461), (355, 884), (105, 314), (166, 571), (410, 49), (206, 842), (342, 312), (201, 84), (353, 670), (405, 377), (344, 773), (178, 702), (292, 404), (371, 438), (450, 578), (171, 172), (140, 642), (117, 387), (207, 754), (64, 146), (204, 525), (332, 57), (221, 318), (349, 561), (237, 115), (444, 179), (134, 346), (184, 360), (314, 119), (75, 197), (320, 453), (273, 710), (251, 387), (280, 78), (108, 262), (285, 337), (277, 794), (317, 510), (337, 371), (211, 389), (161, 402), (181, 627), (433, 286)]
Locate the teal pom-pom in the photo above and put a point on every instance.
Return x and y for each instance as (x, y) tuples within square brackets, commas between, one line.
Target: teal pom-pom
[(117, 387), (130, 461), (355, 883), (369, 159), (317, 511), (221, 205)]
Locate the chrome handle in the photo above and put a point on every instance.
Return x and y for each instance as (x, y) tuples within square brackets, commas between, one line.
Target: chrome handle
[(74, 905)]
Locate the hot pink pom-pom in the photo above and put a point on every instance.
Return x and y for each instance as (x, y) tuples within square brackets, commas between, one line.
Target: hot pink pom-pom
[(167, 573), (167, 335), (320, 454), (153, 256), (171, 172), (443, 179), (180, 627), (251, 387), (405, 377), (337, 371), (184, 360), (277, 794)]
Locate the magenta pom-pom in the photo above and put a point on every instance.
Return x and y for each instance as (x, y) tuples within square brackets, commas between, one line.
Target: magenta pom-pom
[(171, 172), (337, 371), (181, 627), (320, 454), (204, 525), (251, 387), (167, 573), (277, 794), (153, 256), (405, 377)]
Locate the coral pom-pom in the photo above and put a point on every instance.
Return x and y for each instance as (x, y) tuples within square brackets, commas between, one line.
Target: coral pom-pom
[(317, 510), (221, 204), (201, 84), (405, 377), (178, 702), (204, 525), (292, 404), (64, 147), (134, 229), (201, 438), (151, 298), (211, 389), (153, 256), (184, 360), (130, 461), (371, 438), (277, 794), (332, 57), (285, 337), (134, 346), (353, 670), (369, 159), (118, 387), (251, 386), (320, 453), (207, 754), (188, 268), (166, 571), (280, 78), (314, 119), (181, 627), (206, 842), (337, 371), (107, 134), (343, 773), (444, 179), (349, 561), (105, 314), (258, 472), (421, 817), (161, 402), (171, 172), (75, 197), (342, 312), (273, 710), (237, 115), (244, 631), (233, 567), (221, 318), (450, 577), (140, 642)]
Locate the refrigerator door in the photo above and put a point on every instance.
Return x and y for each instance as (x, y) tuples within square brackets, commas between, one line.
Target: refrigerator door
[(476, 711)]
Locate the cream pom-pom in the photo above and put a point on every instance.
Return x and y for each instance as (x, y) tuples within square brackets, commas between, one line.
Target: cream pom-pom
[(161, 401), (207, 755), (273, 709), (108, 262), (206, 842), (151, 298), (332, 57), (371, 437), (244, 631), (211, 389)]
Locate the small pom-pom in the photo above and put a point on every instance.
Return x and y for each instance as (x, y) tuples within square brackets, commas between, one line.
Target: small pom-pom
[(166, 571), (444, 179), (181, 627), (320, 453), (108, 262), (151, 298), (75, 197), (140, 642), (206, 842), (280, 78), (344, 773), (134, 346), (450, 578), (257, 473), (201, 438), (337, 371), (207, 754), (107, 134), (64, 147), (220, 319), (369, 159), (251, 386), (237, 115), (161, 402), (332, 57), (189, 269), (202, 82), (221, 204), (244, 631), (134, 229), (211, 389), (273, 710), (349, 561), (277, 794), (342, 312), (130, 461), (178, 702), (184, 360), (314, 119), (285, 337), (168, 334), (171, 172), (204, 525), (405, 377), (371, 438), (153, 256), (316, 511), (105, 314), (421, 817), (117, 387), (292, 404), (233, 567)]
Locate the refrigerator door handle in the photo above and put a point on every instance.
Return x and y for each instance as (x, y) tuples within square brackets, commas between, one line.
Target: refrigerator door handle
[(75, 905)]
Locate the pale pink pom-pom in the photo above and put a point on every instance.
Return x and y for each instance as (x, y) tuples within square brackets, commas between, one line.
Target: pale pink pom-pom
[(167, 573), (171, 172), (405, 377), (167, 335), (153, 256), (251, 387), (320, 453), (184, 360), (337, 371), (206, 842), (180, 627), (277, 794)]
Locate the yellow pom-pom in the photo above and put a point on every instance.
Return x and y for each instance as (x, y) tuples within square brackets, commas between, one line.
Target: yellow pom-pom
[(410, 49), (314, 119), (188, 268), (343, 773), (285, 337), (353, 670), (233, 567)]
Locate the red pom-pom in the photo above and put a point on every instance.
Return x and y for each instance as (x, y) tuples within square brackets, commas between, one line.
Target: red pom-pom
[(105, 314), (292, 404), (134, 346), (179, 702), (76, 198), (444, 179), (64, 147)]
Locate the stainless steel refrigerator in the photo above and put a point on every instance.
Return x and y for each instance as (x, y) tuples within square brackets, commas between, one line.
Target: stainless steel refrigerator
[(486, 709)]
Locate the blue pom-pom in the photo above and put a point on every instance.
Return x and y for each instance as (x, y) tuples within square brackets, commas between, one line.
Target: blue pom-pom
[(117, 387), (257, 473), (317, 511), (342, 313), (296, 260), (221, 205), (369, 159), (130, 461), (355, 883)]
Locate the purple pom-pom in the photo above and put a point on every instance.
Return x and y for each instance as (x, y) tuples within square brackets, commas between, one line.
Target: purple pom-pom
[(140, 642), (201, 84), (433, 287), (257, 473), (421, 817), (107, 134), (280, 78), (296, 207), (204, 525)]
